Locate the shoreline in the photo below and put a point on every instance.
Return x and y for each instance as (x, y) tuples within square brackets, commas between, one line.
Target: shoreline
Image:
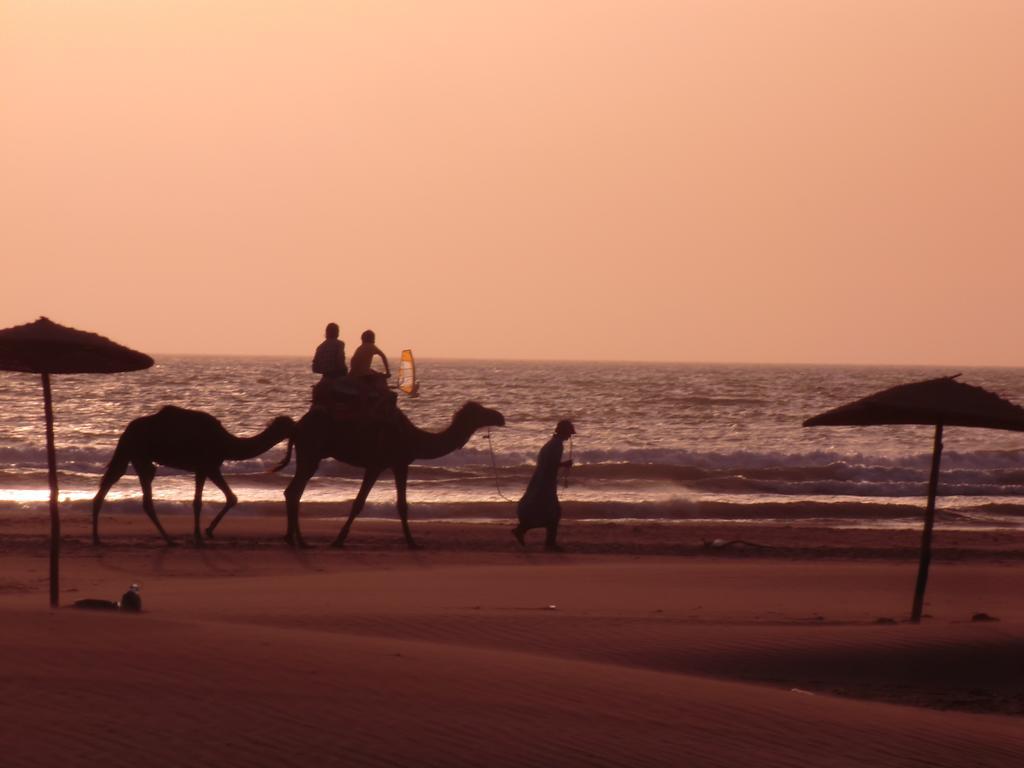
[(807, 513), (28, 532)]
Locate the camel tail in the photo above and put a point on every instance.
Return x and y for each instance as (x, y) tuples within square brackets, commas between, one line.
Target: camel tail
[(286, 460)]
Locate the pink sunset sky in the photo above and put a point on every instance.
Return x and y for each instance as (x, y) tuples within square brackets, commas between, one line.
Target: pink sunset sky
[(760, 181)]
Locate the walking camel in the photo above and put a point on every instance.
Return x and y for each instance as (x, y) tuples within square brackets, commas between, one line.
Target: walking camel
[(374, 445), (183, 439)]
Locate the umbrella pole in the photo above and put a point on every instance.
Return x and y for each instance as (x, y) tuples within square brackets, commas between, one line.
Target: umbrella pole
[(929, 522), (51, 458)]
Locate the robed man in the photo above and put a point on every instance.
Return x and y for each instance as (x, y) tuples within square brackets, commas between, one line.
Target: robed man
[(539, 507)]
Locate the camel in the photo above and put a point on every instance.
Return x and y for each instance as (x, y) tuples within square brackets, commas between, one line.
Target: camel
[(374, 445), (183, 439)]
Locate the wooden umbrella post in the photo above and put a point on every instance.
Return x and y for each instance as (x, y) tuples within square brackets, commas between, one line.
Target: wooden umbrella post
[(929, 523), (51, 458)]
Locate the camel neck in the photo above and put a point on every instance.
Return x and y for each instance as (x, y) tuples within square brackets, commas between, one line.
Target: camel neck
[(247, 447), (433, 445)]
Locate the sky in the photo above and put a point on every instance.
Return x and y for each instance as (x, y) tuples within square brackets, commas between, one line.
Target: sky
[(817, 181)]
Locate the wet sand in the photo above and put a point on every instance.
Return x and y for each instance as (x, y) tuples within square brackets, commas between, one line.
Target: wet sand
[(639, 646)]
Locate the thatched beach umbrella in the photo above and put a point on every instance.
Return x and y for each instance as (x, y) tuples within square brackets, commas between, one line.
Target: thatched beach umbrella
[(45, 347), (940, 403)]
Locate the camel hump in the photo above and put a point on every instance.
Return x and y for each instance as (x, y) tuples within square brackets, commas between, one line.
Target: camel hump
[(173, 413)]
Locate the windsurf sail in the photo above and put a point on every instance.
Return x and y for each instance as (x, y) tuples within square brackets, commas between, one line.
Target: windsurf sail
[(407, 382)]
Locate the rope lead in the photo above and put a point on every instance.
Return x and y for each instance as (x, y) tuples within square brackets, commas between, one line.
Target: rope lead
[(565, 475), (494, 467)]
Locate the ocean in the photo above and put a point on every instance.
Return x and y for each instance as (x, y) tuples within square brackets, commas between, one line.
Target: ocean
[(667, 442)]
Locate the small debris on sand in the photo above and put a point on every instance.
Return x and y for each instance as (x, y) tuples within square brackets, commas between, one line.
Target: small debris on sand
[(723, 544)]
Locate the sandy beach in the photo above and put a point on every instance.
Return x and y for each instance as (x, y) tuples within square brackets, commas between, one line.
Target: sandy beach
[(470, 652), (729, 290)]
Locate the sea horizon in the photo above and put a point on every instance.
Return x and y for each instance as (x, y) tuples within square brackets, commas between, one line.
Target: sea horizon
[(393, 354), (657, 441)]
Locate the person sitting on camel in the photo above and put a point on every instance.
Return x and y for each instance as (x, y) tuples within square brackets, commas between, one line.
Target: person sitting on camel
[(329, 362), (371, 383), (329, 359)]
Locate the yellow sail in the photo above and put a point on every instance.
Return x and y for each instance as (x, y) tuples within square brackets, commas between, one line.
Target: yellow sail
[(407, 374)]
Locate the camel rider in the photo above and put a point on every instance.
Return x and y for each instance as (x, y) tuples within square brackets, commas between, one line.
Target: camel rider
[(364, 355), (329, 359), (329, 362), (371, 383)]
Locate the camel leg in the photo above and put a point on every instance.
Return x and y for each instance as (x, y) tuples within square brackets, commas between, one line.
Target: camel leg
[(197, 507), (229, 497), (401, 480), (369, 478), (292, 497), (147, 472), (115, 470)]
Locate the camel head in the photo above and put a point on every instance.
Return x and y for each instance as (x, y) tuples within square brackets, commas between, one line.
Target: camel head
[(477, 416)]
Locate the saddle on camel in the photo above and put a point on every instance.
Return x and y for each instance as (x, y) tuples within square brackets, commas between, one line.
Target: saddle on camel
[(356, 397)]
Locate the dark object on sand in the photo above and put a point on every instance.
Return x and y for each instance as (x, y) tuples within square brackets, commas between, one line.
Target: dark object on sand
[(130, 602), (45, 347), (983, 617), (723, 544), (92, 604), (940, 403)]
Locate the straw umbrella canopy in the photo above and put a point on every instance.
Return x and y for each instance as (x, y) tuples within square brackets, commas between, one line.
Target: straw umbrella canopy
[(942, 402), (46, 348)]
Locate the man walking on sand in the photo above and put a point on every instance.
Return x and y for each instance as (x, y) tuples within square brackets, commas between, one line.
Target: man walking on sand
[(539, 507)]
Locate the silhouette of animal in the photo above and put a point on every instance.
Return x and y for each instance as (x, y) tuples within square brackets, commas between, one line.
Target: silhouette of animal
[(183, 439), (374, 445)]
